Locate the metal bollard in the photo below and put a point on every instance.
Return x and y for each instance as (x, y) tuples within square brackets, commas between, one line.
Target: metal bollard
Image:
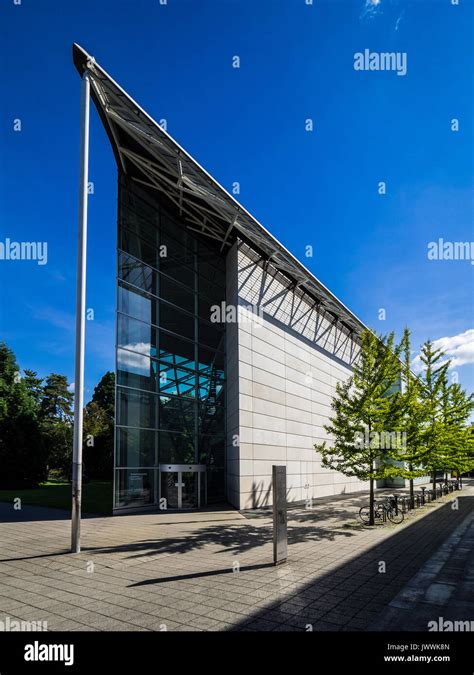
[(280, 535), (395, 500)]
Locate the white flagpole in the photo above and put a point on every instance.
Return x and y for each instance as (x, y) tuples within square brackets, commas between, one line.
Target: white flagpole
[(80, 320)]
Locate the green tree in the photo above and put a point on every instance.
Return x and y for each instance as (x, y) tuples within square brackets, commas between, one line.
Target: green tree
[(412, 420), (365, 411), (22, 448), (57, 399), (56, 418), (104, 394), (456, 449), (34, 385), (432, 395), (98, 437)]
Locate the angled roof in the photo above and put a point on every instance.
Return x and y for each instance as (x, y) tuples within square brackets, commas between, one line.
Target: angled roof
[(148, 154)]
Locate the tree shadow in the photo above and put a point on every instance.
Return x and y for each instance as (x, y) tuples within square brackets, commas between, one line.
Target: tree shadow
[(237, 539), (354, 594)]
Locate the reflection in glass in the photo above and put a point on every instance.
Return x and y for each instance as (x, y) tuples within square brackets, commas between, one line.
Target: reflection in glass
[(135, 447), (170, 358), (136, 370), (136, 336), (134, 487), (177, 448), (136, 304), (137, 409), (169, 489)]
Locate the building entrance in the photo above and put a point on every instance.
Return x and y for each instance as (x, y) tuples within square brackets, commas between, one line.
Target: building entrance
[(183, 485)]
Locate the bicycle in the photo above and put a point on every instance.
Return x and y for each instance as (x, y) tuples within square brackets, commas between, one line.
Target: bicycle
[(382, 510)]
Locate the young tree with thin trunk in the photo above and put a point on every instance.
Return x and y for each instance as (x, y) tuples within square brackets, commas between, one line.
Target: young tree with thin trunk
[(412, 419), (434, 383), (364, 414), (457, 448)]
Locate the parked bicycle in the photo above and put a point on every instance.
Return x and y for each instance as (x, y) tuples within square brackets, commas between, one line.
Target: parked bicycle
[(382, 511)]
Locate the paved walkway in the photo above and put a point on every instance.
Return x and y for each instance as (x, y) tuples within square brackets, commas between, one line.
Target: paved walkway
[(212, 570), (441, 593)]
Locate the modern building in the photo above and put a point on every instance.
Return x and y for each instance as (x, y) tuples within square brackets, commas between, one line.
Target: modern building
[(228, 349)]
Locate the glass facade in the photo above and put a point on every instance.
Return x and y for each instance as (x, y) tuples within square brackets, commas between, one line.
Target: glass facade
[(170, 394)]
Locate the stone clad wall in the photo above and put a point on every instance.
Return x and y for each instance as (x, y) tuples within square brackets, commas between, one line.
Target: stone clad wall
[(282, 369)]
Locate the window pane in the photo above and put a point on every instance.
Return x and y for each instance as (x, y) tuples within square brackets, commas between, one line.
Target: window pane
[(210, 335), (211, 418), (174, 320), (177, 381), (136, 336), (143, 221), (177, 414), (137, 274), (136, 447), (208, 358), (215, 484), (207, 270), (211, 450), (140, 249), (210, 292), (176, 294), (175, 351), (176, 448), (134, 487), (137, 409), (138, 305), (136, 370)]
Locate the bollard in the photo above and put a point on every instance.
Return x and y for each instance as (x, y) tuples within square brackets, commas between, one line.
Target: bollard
[(423, 495), (280, 535), (395, 499)]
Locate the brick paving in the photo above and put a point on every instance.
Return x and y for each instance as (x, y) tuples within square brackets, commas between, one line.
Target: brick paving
[(212, 570)]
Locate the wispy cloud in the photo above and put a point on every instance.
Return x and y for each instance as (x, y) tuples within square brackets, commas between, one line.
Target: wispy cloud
[(56, 317), (100, 335), (371, 9), (136, 361), (459, 349), (57, 275), (399, 20)]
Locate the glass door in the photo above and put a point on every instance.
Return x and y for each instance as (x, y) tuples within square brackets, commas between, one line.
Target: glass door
[(189, 489), (183, 485), (170, 481)]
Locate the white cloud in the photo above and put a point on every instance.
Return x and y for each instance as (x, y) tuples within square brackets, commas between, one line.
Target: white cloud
[(398, 21), (135, 361), (370, 9), (459, 349), (71, 388)]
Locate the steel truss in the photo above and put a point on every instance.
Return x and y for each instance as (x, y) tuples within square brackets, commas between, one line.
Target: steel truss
[(149, 155)]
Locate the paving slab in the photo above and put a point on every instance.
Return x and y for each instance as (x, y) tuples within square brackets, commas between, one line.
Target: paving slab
[(213, 570)]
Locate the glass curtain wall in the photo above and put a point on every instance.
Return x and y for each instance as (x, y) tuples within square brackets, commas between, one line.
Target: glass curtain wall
[(170, 395)]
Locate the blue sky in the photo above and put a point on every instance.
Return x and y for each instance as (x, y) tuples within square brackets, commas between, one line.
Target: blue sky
[(316, 188)]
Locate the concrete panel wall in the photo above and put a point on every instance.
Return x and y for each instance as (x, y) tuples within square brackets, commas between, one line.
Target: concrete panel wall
[(282, 369)]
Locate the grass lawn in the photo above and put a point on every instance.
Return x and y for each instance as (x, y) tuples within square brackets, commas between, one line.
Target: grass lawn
[(96, 496)]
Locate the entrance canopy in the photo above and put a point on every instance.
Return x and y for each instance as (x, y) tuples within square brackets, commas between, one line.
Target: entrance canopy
[(148, 154)]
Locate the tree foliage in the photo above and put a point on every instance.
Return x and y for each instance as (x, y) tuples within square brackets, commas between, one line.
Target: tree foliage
[(22, 449), (36, 425)]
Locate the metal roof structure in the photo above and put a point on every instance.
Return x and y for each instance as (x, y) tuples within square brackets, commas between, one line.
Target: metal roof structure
[(148, 154)]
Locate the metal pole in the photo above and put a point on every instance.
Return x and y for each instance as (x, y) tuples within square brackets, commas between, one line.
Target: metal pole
[(280, 536), (80, 321)]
